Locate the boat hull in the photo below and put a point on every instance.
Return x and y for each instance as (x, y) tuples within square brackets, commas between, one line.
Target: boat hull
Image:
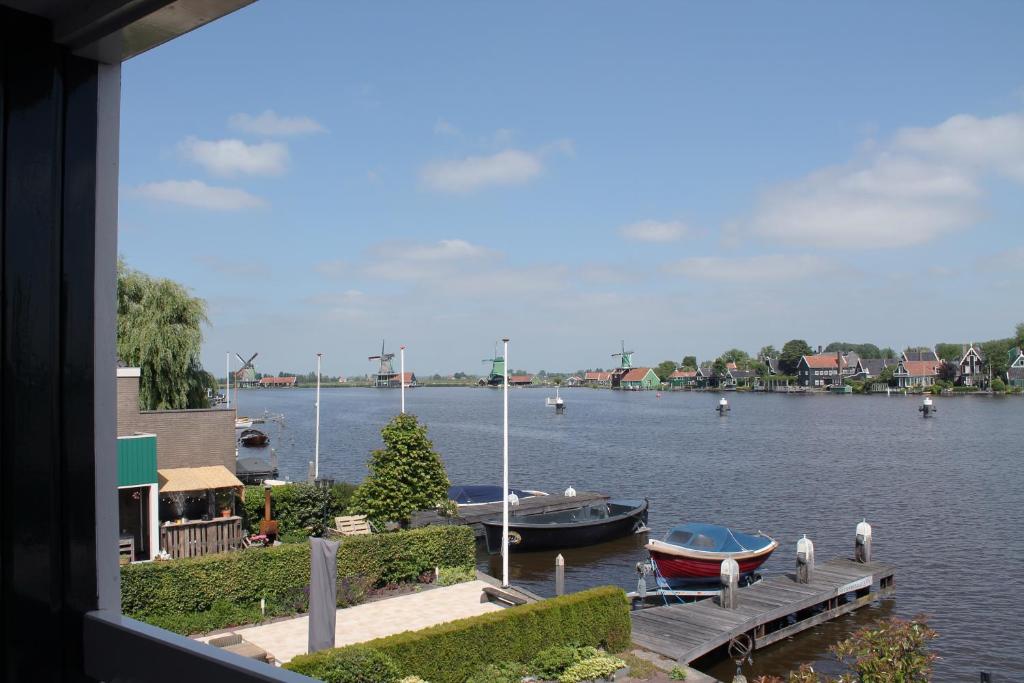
[(529, 536), (677, 568)]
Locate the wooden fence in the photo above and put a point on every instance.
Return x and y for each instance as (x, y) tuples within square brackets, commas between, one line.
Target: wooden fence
[(192, 539)]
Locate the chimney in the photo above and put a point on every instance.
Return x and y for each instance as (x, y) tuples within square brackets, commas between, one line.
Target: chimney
[(819, 349)]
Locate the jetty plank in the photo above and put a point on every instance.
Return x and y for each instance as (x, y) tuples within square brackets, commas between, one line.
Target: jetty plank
[(685, 632)]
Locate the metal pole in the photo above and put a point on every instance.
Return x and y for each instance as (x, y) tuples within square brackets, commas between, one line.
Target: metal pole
[(401, 377), (316, 465), (504, 504), (227, 377)]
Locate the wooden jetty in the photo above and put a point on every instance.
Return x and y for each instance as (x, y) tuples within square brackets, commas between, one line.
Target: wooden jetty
[(473, 515), (776, 608)]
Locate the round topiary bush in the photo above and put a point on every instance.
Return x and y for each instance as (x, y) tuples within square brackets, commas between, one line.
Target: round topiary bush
[(357, 664)]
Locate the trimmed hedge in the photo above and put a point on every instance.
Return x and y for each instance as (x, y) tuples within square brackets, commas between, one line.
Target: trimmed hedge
[(451, 652), (241, 578), (296, 507)]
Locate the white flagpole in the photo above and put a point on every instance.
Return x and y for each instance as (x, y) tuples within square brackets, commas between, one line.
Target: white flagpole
[(401, 379), (504, 505), (227, 377), (316, 465)]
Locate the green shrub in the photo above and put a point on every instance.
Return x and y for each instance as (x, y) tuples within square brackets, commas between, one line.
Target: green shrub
[(222, 614), (281, 573), (504, 672), (357, 664), (677, 674), (449, 576), (589, 669), (549, 663), (998, 385), (299, 508), (450, 653)]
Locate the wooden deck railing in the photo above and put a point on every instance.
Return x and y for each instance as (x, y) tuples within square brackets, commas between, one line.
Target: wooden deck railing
[(192, 539)]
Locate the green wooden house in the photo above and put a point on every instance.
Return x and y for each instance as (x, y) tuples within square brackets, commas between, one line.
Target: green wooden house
[(637, 379), (137, 502)]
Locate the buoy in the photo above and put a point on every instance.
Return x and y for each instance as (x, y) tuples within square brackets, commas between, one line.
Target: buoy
[(927, 407), (723, 407)]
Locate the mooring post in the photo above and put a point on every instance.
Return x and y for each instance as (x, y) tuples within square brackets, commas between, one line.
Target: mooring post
[(311, 473), (559, 575), (730, 577), (862, 547), (804, 560)]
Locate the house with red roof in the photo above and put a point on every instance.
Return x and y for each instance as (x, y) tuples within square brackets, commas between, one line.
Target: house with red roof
[(520, 380), (682, 377), (637, 379), (277, 382), (821, 369), (597, 379), (916, 373)]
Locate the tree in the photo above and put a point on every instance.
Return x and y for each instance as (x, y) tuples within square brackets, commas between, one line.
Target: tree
[(888, 352), (949, 352), (718, 369), (887, 376), (767, 352), (159, 330), (689, 362), (664, 369), (736, 356), (998, 385), (405, 476), (1020, 335), (948, 371), (862, 350), (791, 353), (997, 355)]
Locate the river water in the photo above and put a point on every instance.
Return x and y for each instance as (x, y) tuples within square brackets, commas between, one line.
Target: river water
[(944, 495)]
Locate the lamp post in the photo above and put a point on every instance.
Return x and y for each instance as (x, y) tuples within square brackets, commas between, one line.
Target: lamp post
[(401, 373), (504, 478), (316, 461)]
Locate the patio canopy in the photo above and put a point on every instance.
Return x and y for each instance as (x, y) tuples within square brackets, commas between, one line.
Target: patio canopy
[(197, 479)]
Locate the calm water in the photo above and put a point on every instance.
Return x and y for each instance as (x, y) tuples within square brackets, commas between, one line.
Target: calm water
[(943, 495)]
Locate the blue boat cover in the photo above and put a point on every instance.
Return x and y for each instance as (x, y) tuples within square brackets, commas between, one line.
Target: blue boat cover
[(713, 538), (474, 494)]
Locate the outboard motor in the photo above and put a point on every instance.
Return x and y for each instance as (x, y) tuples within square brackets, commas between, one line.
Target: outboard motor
[(862, 548), (926, 407), (723, 407), (804, 560)]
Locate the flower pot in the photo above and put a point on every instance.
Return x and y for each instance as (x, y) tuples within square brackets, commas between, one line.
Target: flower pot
[(225, 512)]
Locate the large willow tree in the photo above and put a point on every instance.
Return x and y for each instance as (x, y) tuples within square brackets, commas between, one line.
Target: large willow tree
[(159, 329)]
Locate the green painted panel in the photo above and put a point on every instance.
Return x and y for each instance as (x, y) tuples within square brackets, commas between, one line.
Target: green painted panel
[(136, 460)]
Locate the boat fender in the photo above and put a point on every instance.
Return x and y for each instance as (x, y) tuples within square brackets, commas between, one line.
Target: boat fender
[(570, 492)]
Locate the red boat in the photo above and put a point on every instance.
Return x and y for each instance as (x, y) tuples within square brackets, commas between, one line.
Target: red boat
[(694, 552)]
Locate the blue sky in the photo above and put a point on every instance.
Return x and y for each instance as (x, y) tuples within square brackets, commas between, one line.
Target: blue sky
[(688, 176)]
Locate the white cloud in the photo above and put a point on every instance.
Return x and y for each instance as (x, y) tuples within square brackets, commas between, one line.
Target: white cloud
[(510, 167), (198, 194), (231, 157), (766, 268), (442, 127), (995, 143), (332, 268), (396, 260), (271, 124), (654, 231), (922, 185)]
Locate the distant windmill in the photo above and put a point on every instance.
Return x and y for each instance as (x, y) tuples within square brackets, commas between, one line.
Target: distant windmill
[(386, 376), (497, 374), (246, 376), (625, 356)]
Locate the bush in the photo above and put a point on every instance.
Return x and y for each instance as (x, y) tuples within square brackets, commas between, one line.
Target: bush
[(677, 674), (505, 672), (549, 663), (449, 576), (222, 614), (298, 508), (448, 653), (281, 573), (998, 385), (590, 669), (356, 664)]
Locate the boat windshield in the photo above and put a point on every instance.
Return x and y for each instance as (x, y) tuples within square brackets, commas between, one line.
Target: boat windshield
[(683, 537), (715, 538)]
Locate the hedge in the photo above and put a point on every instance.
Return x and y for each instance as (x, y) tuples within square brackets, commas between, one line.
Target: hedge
[(451, 652), (296, 507), (242, 578)]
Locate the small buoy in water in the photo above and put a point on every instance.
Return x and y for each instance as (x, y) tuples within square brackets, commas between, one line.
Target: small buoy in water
[(657, 395), (927, 407), (723, 406)]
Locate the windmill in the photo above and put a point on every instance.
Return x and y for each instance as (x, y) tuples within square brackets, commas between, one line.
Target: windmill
[(385, 376), (625, 356), (246, 375), (497, 375)]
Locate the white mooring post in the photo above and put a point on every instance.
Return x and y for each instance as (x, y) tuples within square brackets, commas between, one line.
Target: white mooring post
[(559, 575), (804, 560), (862, 547), (730, 577)]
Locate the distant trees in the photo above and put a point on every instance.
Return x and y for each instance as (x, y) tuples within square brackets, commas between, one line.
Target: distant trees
[(888, 352), (1020, 335), (791, 353), (917, 349), (737, 356), (887, 376), (689, 362), (862, 350), (949, 352), (947, 371), (719, 369), (159, 330), (767, 352), (664, 369)]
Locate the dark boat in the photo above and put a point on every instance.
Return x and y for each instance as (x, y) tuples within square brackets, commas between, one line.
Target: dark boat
[(254, 470), (588, 525), (253, 437), (485, 494), (693, 552)]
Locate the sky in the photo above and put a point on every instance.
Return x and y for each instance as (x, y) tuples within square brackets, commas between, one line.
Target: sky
[(686, 177)]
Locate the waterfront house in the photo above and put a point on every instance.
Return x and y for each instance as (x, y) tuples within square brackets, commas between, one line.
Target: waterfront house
[(970, 366), (921, 355), (636, 379), (683, 377), (277, 382), (821, 369), (916, 373), (1015, 373), (520, 380), (869, 368), (597, 379), (573, 381), (706, 376), (193, 453), (743, 378)]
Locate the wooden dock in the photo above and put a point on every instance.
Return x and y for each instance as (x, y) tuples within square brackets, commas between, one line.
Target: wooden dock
[(769, 611), (473, 515)]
